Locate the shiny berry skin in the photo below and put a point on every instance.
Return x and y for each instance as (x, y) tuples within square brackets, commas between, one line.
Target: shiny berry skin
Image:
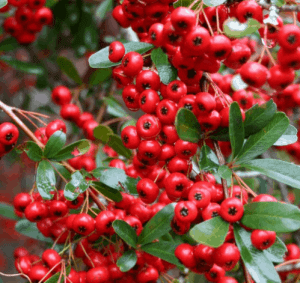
[(20, 252), (130, 96), (104, 222), (185, 254), (239, 55), (38, 272), (88, 129), (201, 197), (70, 112), (254, 74), (156, 34), (203, 256), (247, 10), (264, 198), (262, 239), (135, 223), (148, 126), (147, 190), (210, 122), (244, 98), (51, 258), (177, 164), (12, 27), (204, 103), (289, 37), (119, 76), (36, 4), (120, 17), (61, 95), (212, 210), (56, 125), (85, 116), (186, 211), (147, 80), (43, 16), (149, 274), (97, 275), (24, 15), (220, 47), (36, 211), (21, 201), (176, 90), (149, 100), (227, 279), (232, 210), (280, 78), (116, 51), (168, 134), (130, 137), (117, 163), (175, 184), (185, 149), (183, 19), (57, 208), (167, 152), (293, 252), (166, 111), (23, 264), (215, 274), (132, 63), (17, 3), (83, 224), (226, 256), (9, 133)]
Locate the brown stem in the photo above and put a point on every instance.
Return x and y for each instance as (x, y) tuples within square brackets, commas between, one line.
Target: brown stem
[(115, 120), (96, 200)]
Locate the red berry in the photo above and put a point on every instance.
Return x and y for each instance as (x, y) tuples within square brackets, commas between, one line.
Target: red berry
[(147, 190), (185, 254), (226, 256), (186, 211), (61, 95), (83, 224), (116, 51), (262, 239), (232, 210), (9, 133)]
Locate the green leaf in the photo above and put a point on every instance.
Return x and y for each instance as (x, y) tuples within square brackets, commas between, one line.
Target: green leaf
[(208, 159), (55, 277), (288, 137), (127, 261), (187, 125), (62, 170), (278, 3), (236, 129), (166, 71), (259, 266), (99, 76), (107, 191), (163, 250), (55, 144), (225, 173), (33, 151), (102, 9), (233, 28), (69, 69), (211, 232), (276, 252), (115, 177), (265, 138), (102, 133), (24, 66), (8, 211), (281, 171), (213, 3), (222, 134), (115, 142), (114, 107), (273, 216), (158, 225), (81, 147), (258, 117), (9, 43), (100, 58), (45, 179), (76, 186), (125, 232), (100, 157)]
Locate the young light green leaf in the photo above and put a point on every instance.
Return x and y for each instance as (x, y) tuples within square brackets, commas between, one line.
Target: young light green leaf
[(55, 144), (163, 250), (208, 159), (69, 69), (9, 43), (166, 71), (99, 75), (213, 3), (158, 225), (8, 211), (276, 252), (259, 266), (76, 186), (273, 216), (127, 261), (236, 129), (211, 232), (102, 133), (281, 171), (125, 232), (115, 142), (265, 138), (33, 151), (45, 179), (114, 107), (100, 58), (288, 137), (187, 125), (107, 191), (233, 28)]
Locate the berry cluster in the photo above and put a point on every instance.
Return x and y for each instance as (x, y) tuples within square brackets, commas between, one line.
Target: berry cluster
[(9, 134), (29, 18)]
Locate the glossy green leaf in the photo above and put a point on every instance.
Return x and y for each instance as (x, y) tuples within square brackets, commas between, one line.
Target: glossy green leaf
[(9, 43), (115, 142), (233, 28), (7, 211), (208, 159), (99, 76), (127, 261), (258, 117), (187, 125), (100, 158), (236, 129), (114, 107), (163, 250), (107, 191), (76, 186), (125, 232), (33, 151), (55, 144), (158, 225), (264, 139), (211, 232), (213, 3), (288, 137), (259, 266), (115, 178), (273, 216), (166, 71), (102, 9), (69, 69), (281, 171), (225, 173), (56, 276), (221, 134), (100, 58), (45, 179), (276, 252), (62, 170), (75, 149), (102, 133)]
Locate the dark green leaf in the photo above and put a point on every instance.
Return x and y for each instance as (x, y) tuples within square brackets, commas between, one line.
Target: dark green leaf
[(100, 58), (8, 211), (158, 225), (236, 129), (45, 179), (259, 266), (100, 157), (33, 151), (213, 3), (127, 261), (208, 159), (115, 142), (55, 144), (273, 216), (258, 117), (62, 170), (233, 28), (76, 186), (225, 173), (163, 250), (80, 147), (102, 9), (114, 107), (50, 3), (281, 171), (211, 232), (56, 276), (99, 76), (9, 43), (276, 252), (187, 125), (222, 134), (24, 66), (125, 232), (107, 191), (166, 71), (102, 133), (288, 137), (69, 69), (115, 177), (265, 138)]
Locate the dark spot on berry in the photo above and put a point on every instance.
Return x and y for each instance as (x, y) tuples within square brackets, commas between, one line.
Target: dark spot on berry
[(198, 196), (201, 107), (266, 243), (220, 53), (213, 274), (191, 73), (126, 61), (173, 37), (57, 213), (179, 187), (207, 125), (143, 194), (109, 224), (174, 87), (164, 110), (81, 229), (125, 139), (197, 41), (214, 214), (188, 106), (130, 99), (271, 29), (291, 38), (143, 100), (248, 15), (243, 60), (232, 210), (182, 24), (146, 86), (153, 36), (243, 101), (147, 125), (186, 152), (157, 15), (184, 211), (9, 136), (149, 154)]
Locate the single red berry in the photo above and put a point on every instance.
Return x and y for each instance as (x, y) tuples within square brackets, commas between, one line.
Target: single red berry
[(51, 259), (148, 126), (215, 273), (56, 125), (61, 95), (38, 272), (43, 16), (186, 211), (24, 15), (201, 197), (262, 239), (293, 252), (185, 254), (156, 34), (227, 279), (289, 37), (212, 210), (249, 9), (9, 133), (36, 211), (254, 74), (21, 201), (135, 223), (147, 190), (147, 79), (226, 256), (183, 19), (104, 222), (120, 17), (149, 100), (232, 210), (83, 224), (264, 198), (149, 274), (57, 208), (203, 256), (185, 149), (97, 275), (20, 252), (12, 26), (36, 4), (116, 51), (132, 63)]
